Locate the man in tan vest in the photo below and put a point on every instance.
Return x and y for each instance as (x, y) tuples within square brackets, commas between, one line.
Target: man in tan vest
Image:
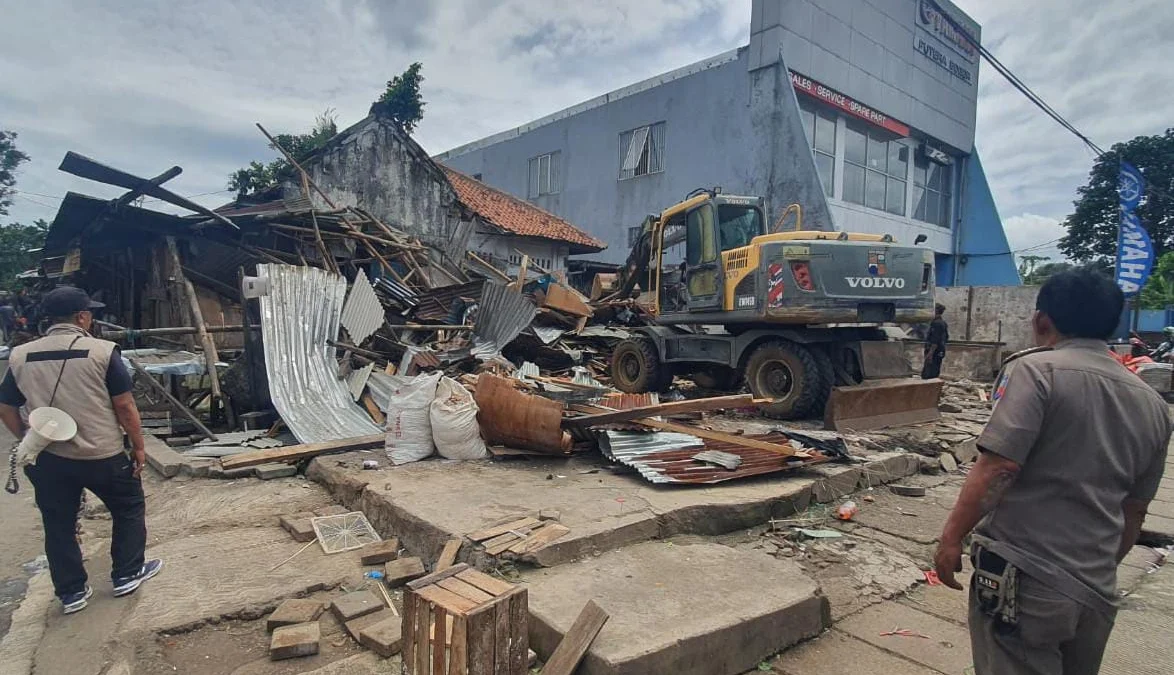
[(85, 377)]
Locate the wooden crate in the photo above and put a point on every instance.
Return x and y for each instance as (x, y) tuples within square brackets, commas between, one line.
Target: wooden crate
[(462, 622)]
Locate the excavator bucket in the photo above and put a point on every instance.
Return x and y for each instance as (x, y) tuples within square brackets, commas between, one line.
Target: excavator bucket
[(883, 403)]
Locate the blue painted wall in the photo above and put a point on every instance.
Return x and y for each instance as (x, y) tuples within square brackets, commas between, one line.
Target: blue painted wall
[(984, 257)]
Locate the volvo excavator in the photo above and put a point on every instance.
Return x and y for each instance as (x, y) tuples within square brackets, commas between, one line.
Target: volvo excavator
[(797, 315)]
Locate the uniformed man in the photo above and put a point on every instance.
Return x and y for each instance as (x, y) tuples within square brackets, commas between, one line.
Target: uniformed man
[(85, 377), (1071, 457), (935, 344)]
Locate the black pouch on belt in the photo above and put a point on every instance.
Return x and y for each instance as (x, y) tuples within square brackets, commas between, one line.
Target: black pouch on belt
[(996, 587)]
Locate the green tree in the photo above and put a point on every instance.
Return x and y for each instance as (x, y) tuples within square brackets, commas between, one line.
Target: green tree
[(401, 102), (1158, 292), (1092, 227), (10, 159), (16, 242), (259, 176), (1040, 274)]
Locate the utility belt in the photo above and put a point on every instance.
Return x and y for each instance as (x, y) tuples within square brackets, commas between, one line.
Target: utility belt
[(996, 587)]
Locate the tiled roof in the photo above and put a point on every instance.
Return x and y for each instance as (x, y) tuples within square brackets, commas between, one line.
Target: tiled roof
[(518, 216)]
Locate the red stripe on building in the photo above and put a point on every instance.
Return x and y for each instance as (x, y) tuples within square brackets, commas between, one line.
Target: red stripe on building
[(848, 104)]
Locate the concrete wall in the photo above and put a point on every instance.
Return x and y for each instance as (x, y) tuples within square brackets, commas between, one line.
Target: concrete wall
[(720, 130), (979, 363), (868, 49), (501, 247), (374, 166), (990, 314)]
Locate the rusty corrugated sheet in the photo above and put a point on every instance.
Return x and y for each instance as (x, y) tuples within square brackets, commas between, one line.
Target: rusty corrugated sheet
[(298, 315), (665, 457)]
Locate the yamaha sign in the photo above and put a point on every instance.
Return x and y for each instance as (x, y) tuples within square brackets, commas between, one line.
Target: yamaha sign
[(942, 39)]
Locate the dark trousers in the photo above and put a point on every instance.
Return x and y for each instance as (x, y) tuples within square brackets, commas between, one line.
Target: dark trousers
[(933, 364), (58, 483)]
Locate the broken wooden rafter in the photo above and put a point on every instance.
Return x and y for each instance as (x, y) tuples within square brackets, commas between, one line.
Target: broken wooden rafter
[(671, 408), (294, 453), (172, 400), (575, 643)]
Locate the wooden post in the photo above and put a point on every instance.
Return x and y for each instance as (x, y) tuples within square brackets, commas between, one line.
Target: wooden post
[(210, 354), (171, 399)]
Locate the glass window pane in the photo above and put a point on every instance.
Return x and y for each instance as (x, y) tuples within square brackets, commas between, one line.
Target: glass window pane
[(935, 176), (920, 165), (919, 203), (808, 118), (878, 154), (854, 145), (946, 215), (895, 197), (874, 190), (898, 160), (555, 172), (932, 207), (947, 182), (693, 238), (853, 184), (532, 187), (544, 175), (825, 134), (826, 166)]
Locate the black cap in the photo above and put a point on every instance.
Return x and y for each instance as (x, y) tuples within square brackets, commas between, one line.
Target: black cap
[(67, 301)]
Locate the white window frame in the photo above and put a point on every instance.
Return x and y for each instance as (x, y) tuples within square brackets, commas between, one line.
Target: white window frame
[(544, 175), (883, 174), (642, 151)]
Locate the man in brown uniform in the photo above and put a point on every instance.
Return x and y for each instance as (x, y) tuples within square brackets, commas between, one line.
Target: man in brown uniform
[(83, 376), (1071, 458)]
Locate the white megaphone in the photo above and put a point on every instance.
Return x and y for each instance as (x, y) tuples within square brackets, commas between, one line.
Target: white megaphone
[(46, 425)]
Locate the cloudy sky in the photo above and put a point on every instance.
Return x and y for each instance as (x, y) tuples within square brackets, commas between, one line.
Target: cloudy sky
[(144, 85)]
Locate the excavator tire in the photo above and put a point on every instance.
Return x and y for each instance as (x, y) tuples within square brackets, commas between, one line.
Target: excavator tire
[(827, 380), (790, 374), (636, 367), (721, 378)]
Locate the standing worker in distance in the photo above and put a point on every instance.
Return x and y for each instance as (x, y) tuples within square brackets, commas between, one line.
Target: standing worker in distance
[(1071, 458), (85, 377), (935, 344)]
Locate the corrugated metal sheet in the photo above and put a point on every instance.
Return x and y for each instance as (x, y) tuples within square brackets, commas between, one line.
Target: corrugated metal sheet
[(380, 386), (395, 293), (502, 314), (437, 304), (362, 314), (357, 380), (665, 457), (298, 315)]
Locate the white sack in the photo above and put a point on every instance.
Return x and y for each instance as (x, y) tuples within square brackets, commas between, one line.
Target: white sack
[(454, 422), (409, 430)]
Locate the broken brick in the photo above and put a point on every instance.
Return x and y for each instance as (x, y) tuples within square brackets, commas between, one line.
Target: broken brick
[(297, 640), (399, 572), (353, 605), (385, 638), (294, 611), (332, 510), (299, 526), (379, 552)]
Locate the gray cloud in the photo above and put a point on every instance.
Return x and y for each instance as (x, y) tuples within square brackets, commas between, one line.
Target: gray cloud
[(144, 85)]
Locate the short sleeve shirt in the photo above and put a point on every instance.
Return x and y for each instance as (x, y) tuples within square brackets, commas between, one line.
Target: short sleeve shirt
[(1088, 434), (118, 382)]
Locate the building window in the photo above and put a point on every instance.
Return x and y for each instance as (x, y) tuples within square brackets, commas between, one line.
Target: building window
[(476, 176), (932, 191), (820, 127), (545, 175), (642, 151), (875, 170)]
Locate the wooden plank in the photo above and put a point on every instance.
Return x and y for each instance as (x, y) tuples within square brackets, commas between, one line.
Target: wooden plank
[(577, 641), (211, 357), (446, 599), (782, 450), (417, 584), (562, 299), (672, 408), (501, 639), (500, 544), (489, 533), (293, 453), (537, 540), (458, 653), (439, 618), (373, 409), (490, 585), (408, 624), (423, 638), (448, 555), (481, 630), (465, 590), (519, 632)]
